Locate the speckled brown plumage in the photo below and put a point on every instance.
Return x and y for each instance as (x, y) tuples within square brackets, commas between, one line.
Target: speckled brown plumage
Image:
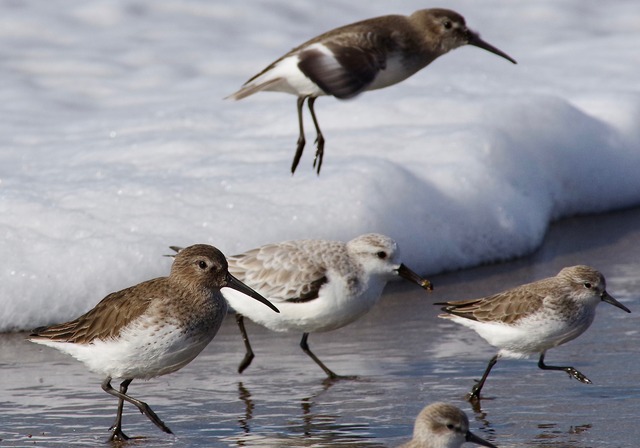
[(525, 300), (186, 286), (499, 307), (151, 329), (533, 318)]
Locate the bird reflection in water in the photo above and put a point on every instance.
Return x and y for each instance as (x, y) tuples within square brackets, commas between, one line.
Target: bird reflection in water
[(310, 427), (245, 397), (555, 437)]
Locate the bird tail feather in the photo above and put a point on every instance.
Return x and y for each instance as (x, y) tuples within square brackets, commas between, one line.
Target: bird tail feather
[(250, 89)]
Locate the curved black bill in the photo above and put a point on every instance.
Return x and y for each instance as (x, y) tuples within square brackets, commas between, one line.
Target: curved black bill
[(408, 274), (607, 298), (474, 39), (236, 284), (472, 438)]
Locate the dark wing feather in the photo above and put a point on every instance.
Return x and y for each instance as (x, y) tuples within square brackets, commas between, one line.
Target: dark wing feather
[(350, 70), (310, 291), (507, 307), (281, 272), (104, 321)]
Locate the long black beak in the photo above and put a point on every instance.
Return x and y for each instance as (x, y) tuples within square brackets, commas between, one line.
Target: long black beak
[(471, 437), (474, 39), (607, 298), (236, 284), (408, 274)]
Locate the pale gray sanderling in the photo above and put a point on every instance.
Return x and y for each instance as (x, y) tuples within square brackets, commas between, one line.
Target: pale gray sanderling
[(535, 317), (442, 425), (318, 285), (366, 55), (150, 329)]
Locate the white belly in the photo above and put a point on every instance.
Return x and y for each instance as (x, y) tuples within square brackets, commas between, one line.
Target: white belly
[(140, 352), (332, 310)]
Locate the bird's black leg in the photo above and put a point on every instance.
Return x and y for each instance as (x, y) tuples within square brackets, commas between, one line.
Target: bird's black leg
[(116, 428), (305, 347), (141, 405), (319, 136), (570, 370), (475, 390), (301, 140), (248, 357)]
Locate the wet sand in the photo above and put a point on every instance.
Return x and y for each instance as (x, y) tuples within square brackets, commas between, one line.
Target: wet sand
[(404, 356)]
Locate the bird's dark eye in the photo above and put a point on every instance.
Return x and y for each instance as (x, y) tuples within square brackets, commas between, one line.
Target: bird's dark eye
[(447, 24), (202, 264), (450, 427), (382, 255), (587, 285)]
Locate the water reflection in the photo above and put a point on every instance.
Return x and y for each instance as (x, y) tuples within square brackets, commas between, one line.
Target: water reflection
[(552, 437), (481, 416), (407, 358), (245, 396), (310, 428)]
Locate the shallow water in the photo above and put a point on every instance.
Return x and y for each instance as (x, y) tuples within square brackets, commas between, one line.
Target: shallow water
[(404, 355)]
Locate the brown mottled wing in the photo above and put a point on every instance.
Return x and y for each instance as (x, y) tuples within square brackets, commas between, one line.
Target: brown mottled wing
[(507, 307), (280, 272), (350, 68), (104, 321)]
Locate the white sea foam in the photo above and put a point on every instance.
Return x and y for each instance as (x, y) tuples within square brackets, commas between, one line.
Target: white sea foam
[(115, 141)]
